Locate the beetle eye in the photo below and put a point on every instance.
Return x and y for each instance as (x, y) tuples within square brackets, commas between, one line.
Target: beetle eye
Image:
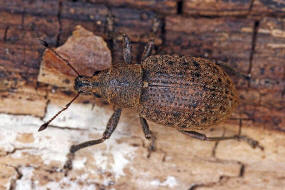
[(97, 95), (96, 73)]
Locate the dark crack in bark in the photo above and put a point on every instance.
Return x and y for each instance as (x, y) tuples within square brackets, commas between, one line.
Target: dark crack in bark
[(223, 178), (250, 6), (252, 52), (5, 33), (46, 105), (17, 149), (216, 145), (179, 5), (67, 128), (59, 13), (13, 183), (162, 36), (23, 19)]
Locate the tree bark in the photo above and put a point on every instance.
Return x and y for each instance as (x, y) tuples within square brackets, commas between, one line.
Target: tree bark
[(246, 35)]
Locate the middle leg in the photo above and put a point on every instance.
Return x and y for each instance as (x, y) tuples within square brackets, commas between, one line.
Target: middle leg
[(111, 126), (148, 135)]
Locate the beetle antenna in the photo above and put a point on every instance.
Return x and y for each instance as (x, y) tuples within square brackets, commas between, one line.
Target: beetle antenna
[(45, 44), (45, 125)]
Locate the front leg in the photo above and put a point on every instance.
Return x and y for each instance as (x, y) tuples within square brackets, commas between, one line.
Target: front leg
[(126, 41), (147, 49), (111, 126)]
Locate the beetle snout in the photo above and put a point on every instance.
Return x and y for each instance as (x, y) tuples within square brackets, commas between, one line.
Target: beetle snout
[(82, 84)]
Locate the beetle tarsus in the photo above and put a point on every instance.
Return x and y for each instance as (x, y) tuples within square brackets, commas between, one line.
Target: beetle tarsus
[(253, 143), (145, 128), (68, 164), (152, 147)]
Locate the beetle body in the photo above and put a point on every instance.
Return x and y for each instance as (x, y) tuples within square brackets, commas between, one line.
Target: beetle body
[(183, 92)]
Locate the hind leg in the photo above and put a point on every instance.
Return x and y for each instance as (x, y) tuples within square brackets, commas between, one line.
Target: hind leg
[(253, 143)]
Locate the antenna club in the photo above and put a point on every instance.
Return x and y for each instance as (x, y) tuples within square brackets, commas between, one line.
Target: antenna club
[(43, 127)]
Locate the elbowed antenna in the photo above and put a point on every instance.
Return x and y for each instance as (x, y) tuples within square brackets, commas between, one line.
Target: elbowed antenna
[(45, 125), (44, 43)]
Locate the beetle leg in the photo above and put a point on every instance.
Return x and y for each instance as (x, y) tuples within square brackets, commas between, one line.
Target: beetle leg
[(127, 49), (111, 35), (148, 135), (253, 143), (147, 49), (111, 126), (156, 24), (145, 128)]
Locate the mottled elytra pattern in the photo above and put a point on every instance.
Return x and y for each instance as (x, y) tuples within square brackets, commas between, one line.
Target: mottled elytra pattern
[(185, 92)]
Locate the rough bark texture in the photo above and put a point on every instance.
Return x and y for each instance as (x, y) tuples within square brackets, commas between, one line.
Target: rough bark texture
[(246, 35)]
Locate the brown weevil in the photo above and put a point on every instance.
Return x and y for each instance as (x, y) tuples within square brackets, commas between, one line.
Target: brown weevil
[(183, 92)]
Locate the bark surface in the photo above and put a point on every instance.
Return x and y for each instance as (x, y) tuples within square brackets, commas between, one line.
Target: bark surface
[(248, 36)]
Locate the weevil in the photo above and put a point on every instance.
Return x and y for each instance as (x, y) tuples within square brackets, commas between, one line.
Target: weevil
[(183, 92)]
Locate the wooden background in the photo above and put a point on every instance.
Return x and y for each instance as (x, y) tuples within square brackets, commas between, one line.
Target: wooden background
[(247, 35)]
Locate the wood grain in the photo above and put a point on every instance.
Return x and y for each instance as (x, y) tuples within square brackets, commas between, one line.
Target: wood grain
[(245, 35)]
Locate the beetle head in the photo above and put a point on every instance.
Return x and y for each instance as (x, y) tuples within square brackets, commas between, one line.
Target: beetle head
[(85, 85)]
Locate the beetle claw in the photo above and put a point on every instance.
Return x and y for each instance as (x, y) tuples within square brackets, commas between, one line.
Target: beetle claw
[(253, 143)]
